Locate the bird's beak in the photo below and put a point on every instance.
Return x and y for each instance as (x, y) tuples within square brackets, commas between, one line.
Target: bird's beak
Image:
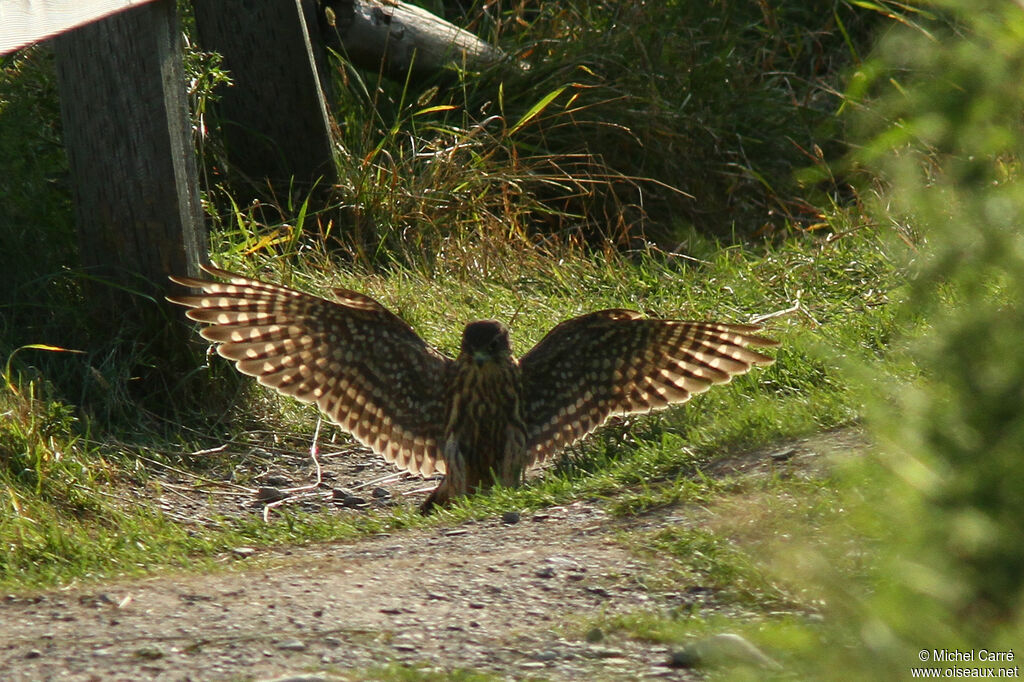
[(480, 357)]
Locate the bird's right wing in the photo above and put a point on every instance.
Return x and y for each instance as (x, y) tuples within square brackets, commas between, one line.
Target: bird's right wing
[(612, 362), (364, 367)]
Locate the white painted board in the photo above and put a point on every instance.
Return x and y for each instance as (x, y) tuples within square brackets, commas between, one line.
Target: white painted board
[(23, 22)]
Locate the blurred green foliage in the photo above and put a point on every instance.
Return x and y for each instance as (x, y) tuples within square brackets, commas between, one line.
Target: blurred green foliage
[(942, 110)]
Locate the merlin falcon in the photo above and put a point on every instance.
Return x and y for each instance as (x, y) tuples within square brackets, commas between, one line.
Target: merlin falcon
[(484, 417)]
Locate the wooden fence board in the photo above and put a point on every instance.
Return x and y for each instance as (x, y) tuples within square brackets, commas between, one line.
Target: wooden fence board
[(274, 118), (130, 151)]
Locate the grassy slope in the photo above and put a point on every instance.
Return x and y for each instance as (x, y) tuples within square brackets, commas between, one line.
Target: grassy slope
[(446, 237), (65, 529)]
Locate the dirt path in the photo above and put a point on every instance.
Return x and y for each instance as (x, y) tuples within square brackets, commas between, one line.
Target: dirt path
[(508, 598)]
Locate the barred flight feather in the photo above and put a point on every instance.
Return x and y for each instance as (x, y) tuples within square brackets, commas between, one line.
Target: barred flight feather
[(616, 362), (364, 367)]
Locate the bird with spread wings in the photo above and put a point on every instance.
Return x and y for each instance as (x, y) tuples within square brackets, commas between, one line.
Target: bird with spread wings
[(484, 417)]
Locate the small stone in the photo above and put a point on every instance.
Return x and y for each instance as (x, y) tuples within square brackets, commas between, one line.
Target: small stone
[(33, 653), (243, 552), (725, 648), (332, 642), (533, 665), (783, 455), (148, 653), (277, 480), (545, 655), (267, 493), (347, 499), (510, 518), (594, 635), (683, 658), (380, 493), (291, 645), (599, 592), (546, 572)]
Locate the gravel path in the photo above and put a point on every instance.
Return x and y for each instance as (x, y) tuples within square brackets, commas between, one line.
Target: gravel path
[(511, 598)]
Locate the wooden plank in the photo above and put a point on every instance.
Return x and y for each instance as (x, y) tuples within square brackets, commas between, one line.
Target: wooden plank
[(23, 22), (132, 160), (274, 118)]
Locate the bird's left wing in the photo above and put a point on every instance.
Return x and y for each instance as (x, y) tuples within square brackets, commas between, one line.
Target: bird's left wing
[(616, 362), (365, 368)]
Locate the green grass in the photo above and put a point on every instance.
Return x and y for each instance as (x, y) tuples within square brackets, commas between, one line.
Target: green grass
[(59, 525)]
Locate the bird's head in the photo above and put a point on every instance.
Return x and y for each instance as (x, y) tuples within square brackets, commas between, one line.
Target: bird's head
[(486, 340)]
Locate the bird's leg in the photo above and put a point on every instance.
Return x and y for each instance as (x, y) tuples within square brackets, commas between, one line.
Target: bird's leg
[(440, 497)]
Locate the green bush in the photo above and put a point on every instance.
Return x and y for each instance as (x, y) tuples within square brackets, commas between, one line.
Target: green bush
[(944, 103)]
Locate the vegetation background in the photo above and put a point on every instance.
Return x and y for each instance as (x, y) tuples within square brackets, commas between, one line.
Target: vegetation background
[(853, 166)]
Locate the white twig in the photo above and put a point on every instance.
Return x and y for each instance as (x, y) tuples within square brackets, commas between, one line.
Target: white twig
[(778, 313), (314, 451), (290, 496)]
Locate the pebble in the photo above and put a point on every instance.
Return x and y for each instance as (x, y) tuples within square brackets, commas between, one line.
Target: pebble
[(510, 518), (783, 455), (268, 493), (380, 493), (291, 645), (725, 648), (545, 656), (347, 499), (604, 652)]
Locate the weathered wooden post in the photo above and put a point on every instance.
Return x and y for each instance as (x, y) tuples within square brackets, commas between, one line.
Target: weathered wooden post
[(131, 155), (274, 118), (132, 160)]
